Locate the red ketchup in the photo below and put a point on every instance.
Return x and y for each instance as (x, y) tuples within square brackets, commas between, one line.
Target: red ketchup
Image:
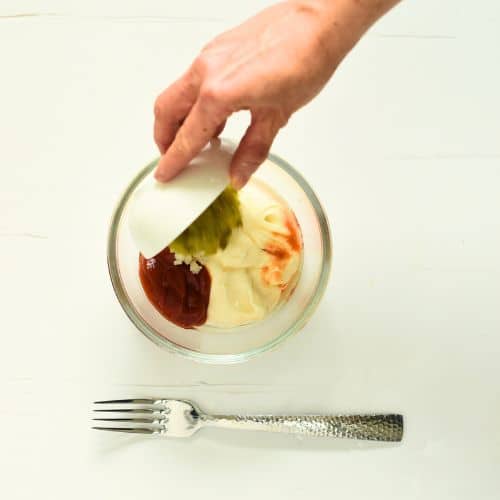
[(178, 294)]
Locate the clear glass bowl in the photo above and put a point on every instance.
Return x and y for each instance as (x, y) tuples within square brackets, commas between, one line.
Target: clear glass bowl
[(224, 346)]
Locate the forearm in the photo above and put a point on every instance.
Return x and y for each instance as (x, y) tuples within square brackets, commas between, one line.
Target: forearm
[(346, 21), (360, 12)]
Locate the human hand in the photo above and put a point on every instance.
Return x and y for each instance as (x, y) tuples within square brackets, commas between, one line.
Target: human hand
[(271, 65)]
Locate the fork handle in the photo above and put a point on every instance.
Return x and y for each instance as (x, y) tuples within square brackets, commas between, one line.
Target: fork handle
[(383, 427)]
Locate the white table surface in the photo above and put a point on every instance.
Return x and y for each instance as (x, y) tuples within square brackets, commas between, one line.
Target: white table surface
[(403, 147)]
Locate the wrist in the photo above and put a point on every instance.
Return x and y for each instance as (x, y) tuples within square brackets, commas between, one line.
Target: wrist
[(346, 21)]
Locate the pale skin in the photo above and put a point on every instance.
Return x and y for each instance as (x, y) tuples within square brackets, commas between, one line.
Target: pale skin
[(271, 65)]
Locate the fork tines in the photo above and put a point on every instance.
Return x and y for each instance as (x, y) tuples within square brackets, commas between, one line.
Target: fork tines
[(150, 412)]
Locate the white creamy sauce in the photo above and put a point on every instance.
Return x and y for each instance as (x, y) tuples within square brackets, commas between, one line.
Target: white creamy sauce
[(248, 281)]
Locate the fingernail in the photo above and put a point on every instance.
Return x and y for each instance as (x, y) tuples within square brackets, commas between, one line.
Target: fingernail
[(160, 177)]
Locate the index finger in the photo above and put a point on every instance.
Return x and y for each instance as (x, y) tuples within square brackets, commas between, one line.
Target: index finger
[(198, 128), (172, 106)]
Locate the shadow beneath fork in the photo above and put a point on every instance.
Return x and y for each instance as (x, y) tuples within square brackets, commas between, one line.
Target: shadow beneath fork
[(269, 440), (224, 439), (110, 443)]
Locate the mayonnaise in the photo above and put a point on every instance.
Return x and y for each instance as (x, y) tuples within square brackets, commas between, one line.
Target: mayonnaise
[(260, 264)]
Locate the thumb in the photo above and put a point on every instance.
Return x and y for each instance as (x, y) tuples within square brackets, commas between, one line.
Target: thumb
[(253, 149)]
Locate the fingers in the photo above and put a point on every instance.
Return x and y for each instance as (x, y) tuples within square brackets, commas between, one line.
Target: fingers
[(253, 149), (220, 129), (171, 108), (202, 123)]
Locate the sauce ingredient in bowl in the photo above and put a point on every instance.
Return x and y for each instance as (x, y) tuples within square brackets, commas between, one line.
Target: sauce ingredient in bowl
[(233, 266), (212, 229), (260, 266), (178, 294)]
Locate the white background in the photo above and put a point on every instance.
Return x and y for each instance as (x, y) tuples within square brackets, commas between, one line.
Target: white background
[(403, 148)]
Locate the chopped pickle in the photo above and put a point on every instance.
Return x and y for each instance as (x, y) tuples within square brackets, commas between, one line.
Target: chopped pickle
[(212, 229)]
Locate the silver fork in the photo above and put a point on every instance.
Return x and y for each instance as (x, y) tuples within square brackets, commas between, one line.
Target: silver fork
[(181, 418)]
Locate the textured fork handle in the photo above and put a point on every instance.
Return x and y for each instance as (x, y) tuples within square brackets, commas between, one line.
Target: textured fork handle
[(373, 427)]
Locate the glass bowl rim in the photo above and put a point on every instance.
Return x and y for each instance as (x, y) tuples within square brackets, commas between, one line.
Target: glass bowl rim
[(163, 342)]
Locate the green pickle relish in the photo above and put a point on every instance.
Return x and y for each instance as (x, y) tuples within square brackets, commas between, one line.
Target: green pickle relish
[(212, 229)]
